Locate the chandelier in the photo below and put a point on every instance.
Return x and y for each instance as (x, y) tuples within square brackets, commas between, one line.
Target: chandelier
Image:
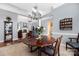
[(35, 14)]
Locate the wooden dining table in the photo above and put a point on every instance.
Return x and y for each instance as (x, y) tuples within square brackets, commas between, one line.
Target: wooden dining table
[(34, 42)]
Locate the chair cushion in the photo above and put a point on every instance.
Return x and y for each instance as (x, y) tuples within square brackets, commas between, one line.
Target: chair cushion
[(51, 47), (48, 51), (73, 44)]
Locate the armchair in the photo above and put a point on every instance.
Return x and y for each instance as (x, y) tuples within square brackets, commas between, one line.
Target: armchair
[(71, 42)]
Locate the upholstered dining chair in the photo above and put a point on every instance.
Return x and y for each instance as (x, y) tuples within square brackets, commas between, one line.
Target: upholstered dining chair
[(72, 41), (54, 51)]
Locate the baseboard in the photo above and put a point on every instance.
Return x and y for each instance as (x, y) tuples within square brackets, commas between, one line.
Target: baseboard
[(2, 41)]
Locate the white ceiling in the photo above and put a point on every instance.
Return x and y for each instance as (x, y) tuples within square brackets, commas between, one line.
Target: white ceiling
[(43, 7), (23, 19)]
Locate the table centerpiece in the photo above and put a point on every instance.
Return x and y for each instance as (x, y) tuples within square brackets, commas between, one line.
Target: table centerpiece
[(39, 31)]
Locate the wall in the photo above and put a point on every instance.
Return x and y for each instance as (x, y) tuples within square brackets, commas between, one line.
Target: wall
[(64, 11), (67, 10), (3, 15), (23, 19), (44, 22)]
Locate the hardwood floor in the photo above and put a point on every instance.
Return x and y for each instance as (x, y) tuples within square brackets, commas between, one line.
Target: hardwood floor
[(2, 44), (24, 50)]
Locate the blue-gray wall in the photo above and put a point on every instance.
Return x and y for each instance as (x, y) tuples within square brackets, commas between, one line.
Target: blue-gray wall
[(3, 15), (69, 10), (64, 11)]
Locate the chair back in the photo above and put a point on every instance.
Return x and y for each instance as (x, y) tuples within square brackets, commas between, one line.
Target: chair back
[(78, 38), (20, 34), (29, 34), (57, 46), (78, 35)]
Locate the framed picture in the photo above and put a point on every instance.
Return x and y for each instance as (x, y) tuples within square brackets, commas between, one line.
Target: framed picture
[(66, 24), (24, 24)]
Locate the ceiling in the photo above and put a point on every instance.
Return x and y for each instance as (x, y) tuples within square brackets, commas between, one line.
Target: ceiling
[(43, 7)]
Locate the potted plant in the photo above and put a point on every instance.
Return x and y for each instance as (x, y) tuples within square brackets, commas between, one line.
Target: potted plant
[(39, 31)]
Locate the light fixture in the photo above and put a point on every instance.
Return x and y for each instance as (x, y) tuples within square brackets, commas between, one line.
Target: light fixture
[(35, 14)]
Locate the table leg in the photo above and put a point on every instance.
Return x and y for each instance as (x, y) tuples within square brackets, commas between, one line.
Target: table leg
[(30, 48), (39, 51), (66, 46), (76, 52)]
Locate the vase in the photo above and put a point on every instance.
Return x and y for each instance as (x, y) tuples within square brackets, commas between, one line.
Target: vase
[(39, 36)]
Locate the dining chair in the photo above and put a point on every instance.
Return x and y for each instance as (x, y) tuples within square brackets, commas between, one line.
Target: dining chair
[(72, 41), (20, 34), (54, 51), (51, 46)]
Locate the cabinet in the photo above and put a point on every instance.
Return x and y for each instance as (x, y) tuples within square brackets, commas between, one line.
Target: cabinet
[(8, 31)]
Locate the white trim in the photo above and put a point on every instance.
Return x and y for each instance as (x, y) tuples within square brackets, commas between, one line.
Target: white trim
[(13, 40), (64, 33), (2, 41)]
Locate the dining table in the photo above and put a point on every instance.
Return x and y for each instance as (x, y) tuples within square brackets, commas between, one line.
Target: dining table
[(40, 43)]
